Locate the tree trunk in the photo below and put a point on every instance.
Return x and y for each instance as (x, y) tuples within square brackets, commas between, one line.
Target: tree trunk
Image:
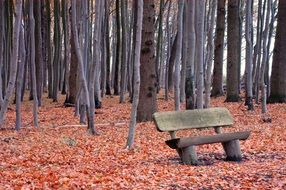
[(57, 50), (124, 50), (83, 83), (148, 88), (38, 46), (217, 84), (248, 56), (118, 49), (278, 75), (132, 125), (190, 89), (209, 59), (179, 53), (107, 44), (200, 15), (233, 49)]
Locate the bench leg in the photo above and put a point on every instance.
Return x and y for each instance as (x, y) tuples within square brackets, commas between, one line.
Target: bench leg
[(189, 155), (232, 150)]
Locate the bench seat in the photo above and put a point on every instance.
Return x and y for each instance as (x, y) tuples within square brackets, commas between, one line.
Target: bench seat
[(200, 140)]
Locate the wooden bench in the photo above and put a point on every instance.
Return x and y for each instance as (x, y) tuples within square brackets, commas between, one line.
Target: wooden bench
[(200, 119)]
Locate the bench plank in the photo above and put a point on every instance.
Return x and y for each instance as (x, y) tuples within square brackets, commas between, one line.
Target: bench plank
[(190, 141), (192, 119)]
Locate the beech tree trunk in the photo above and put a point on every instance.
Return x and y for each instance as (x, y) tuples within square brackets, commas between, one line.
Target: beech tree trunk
[(148, 88), (233, 49), (190, 87), (132, 125), (200, 15), (278, 75), (178, 53), (217, 82), (248, 56)]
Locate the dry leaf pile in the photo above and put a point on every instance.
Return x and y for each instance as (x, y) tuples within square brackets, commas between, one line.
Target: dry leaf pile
[(61, 155)]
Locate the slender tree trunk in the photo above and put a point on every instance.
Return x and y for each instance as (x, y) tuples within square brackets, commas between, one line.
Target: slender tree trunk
[(248, 57), (118, 49), (159, 40), (200, 15), (20, 75), (32, 63), (124, 50), (217, 85), (168, 51), (107, 44), (49, 51), (132, 125), (38, 46), (171, 64), (209, 59), (190, 87), (179, 53), (264, 58), (57, 50), (83, 83)]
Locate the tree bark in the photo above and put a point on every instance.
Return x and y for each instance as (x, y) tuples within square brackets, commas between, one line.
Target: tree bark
[(278, 75), (200, 15), (148, 88), (217, 84), (179, 53), (233, 49), (132, 125)]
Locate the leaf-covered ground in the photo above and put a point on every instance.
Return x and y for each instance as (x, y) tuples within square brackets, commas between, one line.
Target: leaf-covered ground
[(61, 155)]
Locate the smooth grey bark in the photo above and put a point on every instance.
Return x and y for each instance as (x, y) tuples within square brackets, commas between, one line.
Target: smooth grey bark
[(172, 60), (233, 49), (217, 82), (210, 49), (57, 50), (124, 50), (82, 79), (38, 49), (178, 53), (13, 61), (184, 55), (200, 15), (248, 56), (264, 57), (132, 125), (168, 51), (20, 75), (118, 49), (107, 44), (32, 63), (190, 89), (159, 41), (49, 51), (94, 68)]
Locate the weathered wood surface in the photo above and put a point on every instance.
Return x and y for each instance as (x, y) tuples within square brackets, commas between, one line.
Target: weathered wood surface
[(192, 119), (189, 155), (232, 150), (190, 141)]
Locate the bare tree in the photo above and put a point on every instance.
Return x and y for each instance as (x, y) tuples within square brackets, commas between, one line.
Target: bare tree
[(14, 60), (178, 53), (132, 125), (148, 87), (200, 15)]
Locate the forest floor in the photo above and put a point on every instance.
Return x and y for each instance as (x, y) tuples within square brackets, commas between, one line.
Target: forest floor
[(61, 155)]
